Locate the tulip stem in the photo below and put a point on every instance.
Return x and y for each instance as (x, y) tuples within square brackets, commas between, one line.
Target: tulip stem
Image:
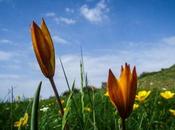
[(57, 95), (123, 124)]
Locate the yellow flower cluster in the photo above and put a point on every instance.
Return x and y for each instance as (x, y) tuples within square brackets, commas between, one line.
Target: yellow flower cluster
[(141, 96), (168, 95), (22, 121)]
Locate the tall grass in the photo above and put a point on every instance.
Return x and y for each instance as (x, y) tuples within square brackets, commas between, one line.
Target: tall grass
[(153, 114)]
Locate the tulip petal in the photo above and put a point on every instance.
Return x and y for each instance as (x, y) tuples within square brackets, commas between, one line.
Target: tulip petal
[(115, 94), (47, 36), (125, 83), (39, 46), (132, 92)]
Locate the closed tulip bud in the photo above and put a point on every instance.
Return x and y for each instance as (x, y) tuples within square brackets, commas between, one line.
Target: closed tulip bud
[(43, 48), (122, 91)]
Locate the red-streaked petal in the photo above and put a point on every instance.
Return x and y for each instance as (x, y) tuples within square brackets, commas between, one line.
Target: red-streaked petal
[(41, 43), (115, 93), (46, 33), (48, 38), (125, 83), (133, 88), (36, 41)]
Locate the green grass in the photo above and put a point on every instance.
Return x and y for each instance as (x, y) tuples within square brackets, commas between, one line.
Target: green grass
[(152, 114)]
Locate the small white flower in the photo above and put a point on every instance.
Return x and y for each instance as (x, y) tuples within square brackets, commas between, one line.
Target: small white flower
[(44, 109), (164, 89), (151, 83)]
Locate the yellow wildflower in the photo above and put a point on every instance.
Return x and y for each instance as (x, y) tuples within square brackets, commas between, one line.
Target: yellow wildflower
[(18, 123), (135, 106), (167, 94), (87, 109), (172, 111), (65, 109), (25, 119), (62, 101), (142, 95), (22, 122), (106, 94)]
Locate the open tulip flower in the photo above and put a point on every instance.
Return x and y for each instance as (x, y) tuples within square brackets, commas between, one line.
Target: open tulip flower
[(44, 49), (122, 91)]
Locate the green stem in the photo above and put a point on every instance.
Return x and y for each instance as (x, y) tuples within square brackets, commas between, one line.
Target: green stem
[(123, 124), (57, 95)]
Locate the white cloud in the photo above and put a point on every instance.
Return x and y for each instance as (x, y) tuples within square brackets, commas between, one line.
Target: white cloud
[(58, 20), (97, 66), (67, 20), (50, 14), (146, 60), (9, 76), (68, 10), (5, 41), (59, 40), (5, 29), (96, 14), (5, 55), (169, 40)]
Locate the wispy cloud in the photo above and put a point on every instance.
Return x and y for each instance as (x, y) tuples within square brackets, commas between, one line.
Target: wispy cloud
[(66, 20), (50, 14), (68, 10), (169, 40), (59, 20), (4, 29), (145, 59), (5, 41), (96, 14), (59, 40), (9, 76), (5, 55)]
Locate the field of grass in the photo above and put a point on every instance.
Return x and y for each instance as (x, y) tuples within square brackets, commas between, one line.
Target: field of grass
[(90, 109)]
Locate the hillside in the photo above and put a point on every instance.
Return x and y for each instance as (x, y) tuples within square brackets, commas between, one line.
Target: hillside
[(165, 78)]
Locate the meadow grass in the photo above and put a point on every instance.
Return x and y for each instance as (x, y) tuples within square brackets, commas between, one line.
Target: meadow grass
[(151, 114)]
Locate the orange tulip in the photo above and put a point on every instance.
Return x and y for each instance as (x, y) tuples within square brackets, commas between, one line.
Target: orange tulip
[(44, 49), (122, 91)]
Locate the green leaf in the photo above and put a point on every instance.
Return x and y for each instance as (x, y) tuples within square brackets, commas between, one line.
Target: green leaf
[(68, 106), (34, 115)]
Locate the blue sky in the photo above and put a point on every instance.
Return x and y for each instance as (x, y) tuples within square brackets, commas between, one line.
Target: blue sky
[(111, 32)]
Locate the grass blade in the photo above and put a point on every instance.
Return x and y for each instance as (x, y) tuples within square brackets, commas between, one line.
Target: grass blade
[(65, 74), (34, 115), (71, 90)]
